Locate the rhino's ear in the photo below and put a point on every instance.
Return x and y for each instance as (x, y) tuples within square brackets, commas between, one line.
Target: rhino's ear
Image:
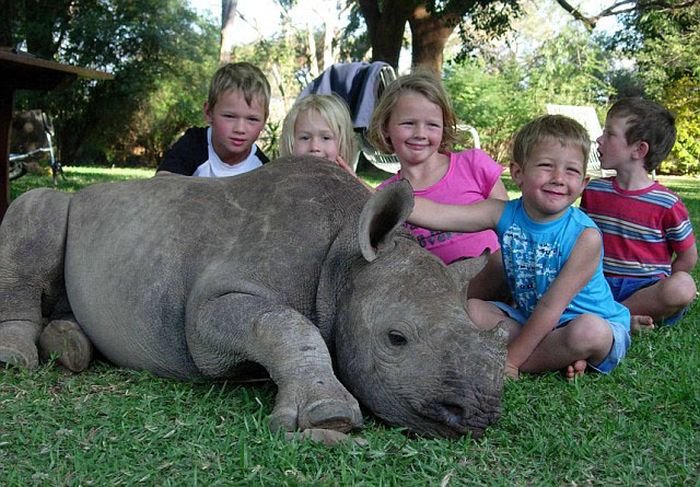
[(381, 216)]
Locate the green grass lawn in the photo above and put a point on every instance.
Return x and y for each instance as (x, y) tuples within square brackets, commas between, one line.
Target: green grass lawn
[(106, 426)]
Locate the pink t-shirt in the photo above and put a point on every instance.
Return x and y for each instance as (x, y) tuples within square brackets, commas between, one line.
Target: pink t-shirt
[(470, 178)]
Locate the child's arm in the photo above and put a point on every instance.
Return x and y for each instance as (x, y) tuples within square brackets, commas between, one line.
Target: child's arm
[(573, 277), (499, 191), (457, 218), (685, 260), (340, 162)]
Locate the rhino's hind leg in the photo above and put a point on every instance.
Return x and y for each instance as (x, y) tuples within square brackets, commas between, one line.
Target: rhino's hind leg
[(64, 340), (237, 327), (32, 244)]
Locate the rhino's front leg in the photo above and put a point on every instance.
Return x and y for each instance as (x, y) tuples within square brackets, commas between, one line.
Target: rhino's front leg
[(236, 327)]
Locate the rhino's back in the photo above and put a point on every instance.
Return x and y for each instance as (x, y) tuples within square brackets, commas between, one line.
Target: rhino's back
[(136, 249)]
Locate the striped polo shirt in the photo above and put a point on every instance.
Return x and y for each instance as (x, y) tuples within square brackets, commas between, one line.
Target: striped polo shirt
[(641, 229)]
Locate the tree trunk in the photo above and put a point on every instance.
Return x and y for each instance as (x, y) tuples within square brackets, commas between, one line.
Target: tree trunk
[(313, 53), (228, 14), (330, 26), (41, 19), (429, 36), (8, 13), (385, 27)]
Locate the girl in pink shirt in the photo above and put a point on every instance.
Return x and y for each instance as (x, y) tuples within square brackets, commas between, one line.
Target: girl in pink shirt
[(415, 120)]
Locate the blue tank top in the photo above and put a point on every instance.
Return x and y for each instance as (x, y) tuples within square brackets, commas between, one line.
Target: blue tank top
[(534, 253)]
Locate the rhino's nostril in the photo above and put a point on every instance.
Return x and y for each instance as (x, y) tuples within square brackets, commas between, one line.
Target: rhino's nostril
[(453, 412)]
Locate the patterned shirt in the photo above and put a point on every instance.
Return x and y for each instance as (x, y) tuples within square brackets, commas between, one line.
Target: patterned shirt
[(533, 255), (641, 229)]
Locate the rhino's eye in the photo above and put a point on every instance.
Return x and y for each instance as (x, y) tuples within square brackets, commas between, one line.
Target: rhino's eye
[(397, 339)]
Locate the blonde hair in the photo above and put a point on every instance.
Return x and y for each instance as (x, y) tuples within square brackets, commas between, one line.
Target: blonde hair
[(423, 83), (336, 114), (559, 127), (244, 77)]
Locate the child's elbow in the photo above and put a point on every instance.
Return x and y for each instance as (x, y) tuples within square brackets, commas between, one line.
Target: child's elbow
[(686, 260)]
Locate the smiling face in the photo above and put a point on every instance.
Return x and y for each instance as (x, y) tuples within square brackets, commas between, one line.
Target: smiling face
[(235, 125), (552, 178), (415, 128), (313, 136)]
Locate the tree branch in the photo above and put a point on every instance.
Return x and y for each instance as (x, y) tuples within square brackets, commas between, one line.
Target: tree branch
[(588, 22), (623, 7)]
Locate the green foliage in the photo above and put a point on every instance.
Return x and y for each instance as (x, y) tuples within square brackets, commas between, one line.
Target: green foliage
[(492, 101), (269, 139), (670, 67), (683, 98), (279, 57), (670, 47), (500, 96), (162, 56), (569, 70), (665, 43)]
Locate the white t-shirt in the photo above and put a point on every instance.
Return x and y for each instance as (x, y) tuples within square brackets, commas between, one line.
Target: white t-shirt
[(214, 167)]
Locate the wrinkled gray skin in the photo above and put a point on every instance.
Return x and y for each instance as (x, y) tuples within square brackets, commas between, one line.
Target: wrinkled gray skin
[(285, 267)]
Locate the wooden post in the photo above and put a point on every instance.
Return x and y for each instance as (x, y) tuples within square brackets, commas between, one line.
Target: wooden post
[(6, 97)]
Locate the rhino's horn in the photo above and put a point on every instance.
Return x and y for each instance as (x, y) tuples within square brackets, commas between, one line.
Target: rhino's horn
[(382, 215), (464, 270)]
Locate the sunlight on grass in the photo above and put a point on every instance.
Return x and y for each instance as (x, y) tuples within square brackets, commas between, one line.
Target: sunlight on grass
[(118, 172)]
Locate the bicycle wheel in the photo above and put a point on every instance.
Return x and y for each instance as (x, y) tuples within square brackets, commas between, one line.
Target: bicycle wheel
[(17, 170)]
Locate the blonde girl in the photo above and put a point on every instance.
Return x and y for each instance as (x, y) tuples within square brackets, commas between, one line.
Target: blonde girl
[(320, 125), (414, 119)]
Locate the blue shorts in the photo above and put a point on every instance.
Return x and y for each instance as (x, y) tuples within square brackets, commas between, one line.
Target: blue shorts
[(624, 287), (618, 349)]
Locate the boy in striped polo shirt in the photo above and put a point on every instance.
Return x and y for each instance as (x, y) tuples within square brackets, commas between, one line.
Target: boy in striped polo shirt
[(647, 235)]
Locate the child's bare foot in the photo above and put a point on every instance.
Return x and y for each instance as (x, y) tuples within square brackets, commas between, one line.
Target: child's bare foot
[(577, 369), (641, 323)]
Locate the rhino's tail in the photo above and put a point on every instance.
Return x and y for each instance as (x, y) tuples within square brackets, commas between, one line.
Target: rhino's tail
[(32, 249)]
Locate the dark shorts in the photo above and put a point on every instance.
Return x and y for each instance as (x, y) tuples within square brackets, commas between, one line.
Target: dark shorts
[(624, 287)]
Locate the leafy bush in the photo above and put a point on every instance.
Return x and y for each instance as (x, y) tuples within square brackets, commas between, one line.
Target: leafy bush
[(492, 102), (683, 98), (500, 96)]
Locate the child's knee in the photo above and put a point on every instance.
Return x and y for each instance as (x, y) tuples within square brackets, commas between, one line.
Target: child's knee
[(476, 311), (590, 334), (680, 289), (484, 314)]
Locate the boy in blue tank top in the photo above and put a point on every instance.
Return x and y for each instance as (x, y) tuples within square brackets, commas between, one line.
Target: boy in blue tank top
[(564, 316)]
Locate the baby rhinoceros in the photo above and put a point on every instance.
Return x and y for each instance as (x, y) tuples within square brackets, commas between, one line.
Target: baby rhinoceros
[(292, 266)]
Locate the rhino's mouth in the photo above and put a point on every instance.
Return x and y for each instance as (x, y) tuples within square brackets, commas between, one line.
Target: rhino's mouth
[(452, 417)]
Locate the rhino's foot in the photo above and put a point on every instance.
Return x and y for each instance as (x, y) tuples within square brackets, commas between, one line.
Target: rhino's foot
[(18, 344), (64, 340), (339, 413), (330, 414)]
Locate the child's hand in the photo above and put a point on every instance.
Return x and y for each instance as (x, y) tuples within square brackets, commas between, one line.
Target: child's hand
[(340, 162), (511, 371)]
